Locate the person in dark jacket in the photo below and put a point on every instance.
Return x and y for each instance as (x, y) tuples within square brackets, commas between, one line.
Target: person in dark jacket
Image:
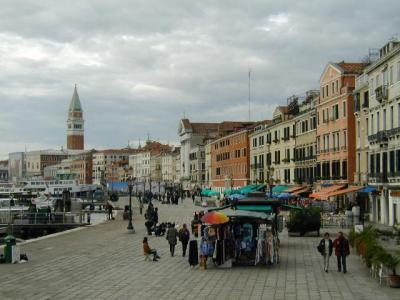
[(147, 250), (325, 247), (184, 237), (342, 250), (172, 236)]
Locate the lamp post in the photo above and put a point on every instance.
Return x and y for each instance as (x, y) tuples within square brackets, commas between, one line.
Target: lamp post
[(130, 187)]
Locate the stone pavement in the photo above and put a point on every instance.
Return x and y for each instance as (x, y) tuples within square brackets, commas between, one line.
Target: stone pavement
[(105, 262)]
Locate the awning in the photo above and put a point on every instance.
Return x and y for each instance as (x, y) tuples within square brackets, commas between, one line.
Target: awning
[(294, 189), (368, 189), (326, 190), (279, 188), (303, 190), (254, 207), (351, 189), (292, 206), (246, 214)]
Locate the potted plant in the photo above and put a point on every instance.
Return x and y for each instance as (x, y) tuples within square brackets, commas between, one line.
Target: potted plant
[(391, 262)]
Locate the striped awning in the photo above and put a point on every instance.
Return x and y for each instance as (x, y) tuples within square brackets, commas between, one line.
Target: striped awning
[(294, 189), (351, 189), (324, 191), (303, 190)]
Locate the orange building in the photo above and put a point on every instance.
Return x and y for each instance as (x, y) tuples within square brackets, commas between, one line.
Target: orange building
[(230, 161), (335, 123)]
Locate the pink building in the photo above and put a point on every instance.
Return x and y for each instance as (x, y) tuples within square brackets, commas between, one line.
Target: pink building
[(335, 123)]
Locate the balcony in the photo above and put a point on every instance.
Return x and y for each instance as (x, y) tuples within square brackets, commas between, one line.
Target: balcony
[(379, 137), (286, 160), (377, 178), (392, 132), (275, 140), (381, 93), (285, 138), (256, 166)]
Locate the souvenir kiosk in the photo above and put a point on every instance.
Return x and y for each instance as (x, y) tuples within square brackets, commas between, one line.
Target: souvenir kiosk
[(245, 233)]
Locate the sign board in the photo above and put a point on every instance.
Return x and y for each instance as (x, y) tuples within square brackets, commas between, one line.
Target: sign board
[(358, 228)]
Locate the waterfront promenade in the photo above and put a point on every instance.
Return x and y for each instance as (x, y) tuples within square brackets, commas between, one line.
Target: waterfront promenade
[(105, 262)]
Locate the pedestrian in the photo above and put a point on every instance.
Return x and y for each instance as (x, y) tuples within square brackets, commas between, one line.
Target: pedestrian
[(154, 218), (141, 207), (110, 212), (342, 250), (147, 250), (163, 198), (184, 237), (193, 197), (172, 235), (325, 247)]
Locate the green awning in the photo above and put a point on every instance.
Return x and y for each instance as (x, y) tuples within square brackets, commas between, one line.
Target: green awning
[(254, 207), (279, 188), (230, 213), (292, 206)]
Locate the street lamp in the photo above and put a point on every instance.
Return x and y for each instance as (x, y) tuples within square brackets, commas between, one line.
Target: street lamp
[(130, 187)]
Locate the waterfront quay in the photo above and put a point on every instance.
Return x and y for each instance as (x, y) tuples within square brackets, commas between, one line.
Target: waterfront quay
[(106, 262)]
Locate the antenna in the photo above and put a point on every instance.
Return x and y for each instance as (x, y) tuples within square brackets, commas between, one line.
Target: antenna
[(249, 92)]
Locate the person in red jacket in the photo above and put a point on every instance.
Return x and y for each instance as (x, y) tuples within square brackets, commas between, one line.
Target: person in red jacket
[(342, 250)]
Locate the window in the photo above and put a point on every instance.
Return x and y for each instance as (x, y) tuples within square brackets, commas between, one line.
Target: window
[(372, 164), (391, 118), (391, 75), (344, 109), (367, 126), (337, 85), (344, 169), (358, 129), (372, 124), (378, 163), (218, 171), (345, 138), (384, 119), (372, 91), (398, 115), (398, 71), (377, 122)]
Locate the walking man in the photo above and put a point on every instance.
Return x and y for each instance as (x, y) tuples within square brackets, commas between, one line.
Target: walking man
[(342, 249), (172, 235), (325, 247), (184, 236)]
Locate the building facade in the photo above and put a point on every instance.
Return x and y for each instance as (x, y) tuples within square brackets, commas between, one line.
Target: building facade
[(75, 124), (4, 171), (361, 111), (335, 124), (230, 161), (16, 166), (197, 167), (105, 160), (384, 134), (305, 124), (36, 161)]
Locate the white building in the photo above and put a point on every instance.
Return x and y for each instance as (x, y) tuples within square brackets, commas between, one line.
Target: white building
[(384, 134), (36, 161)]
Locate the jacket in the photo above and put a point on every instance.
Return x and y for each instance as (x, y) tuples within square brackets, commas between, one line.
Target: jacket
[(172, 235), (184, 235), (321, 247), (341, 247), (146, 248)]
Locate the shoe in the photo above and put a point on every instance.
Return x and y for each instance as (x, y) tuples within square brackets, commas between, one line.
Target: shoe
[(344, 272), (326, 271)]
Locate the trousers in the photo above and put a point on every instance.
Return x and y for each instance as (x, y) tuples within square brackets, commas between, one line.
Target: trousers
[(184, 247), (172, 249), (341, 261), (326, 262)]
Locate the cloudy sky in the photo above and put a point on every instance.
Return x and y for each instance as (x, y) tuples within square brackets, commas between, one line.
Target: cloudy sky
[(141, 65)]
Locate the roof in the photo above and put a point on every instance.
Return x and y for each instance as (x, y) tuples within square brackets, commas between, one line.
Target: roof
[(221, 128), (320, 194), (75, 104), (351, 67), (284, 109)]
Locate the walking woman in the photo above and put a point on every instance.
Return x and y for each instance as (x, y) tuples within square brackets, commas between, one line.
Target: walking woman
[(172, 235), (184, 237), (325, 247)]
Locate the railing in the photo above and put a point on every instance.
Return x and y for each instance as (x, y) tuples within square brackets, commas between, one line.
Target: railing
[(256, 166), (41, 218), (378, 177), (378, 137), (381, 93)]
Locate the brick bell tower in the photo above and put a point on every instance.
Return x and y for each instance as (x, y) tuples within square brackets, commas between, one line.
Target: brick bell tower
[(75, 131)]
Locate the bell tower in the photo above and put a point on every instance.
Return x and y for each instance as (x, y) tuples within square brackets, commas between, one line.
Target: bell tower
[(75, 131)]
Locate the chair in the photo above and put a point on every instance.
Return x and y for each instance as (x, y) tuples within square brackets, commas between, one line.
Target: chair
[(382, 275)]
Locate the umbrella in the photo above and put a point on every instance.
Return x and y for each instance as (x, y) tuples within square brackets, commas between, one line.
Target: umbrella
[(215, 217), (284, 196)]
